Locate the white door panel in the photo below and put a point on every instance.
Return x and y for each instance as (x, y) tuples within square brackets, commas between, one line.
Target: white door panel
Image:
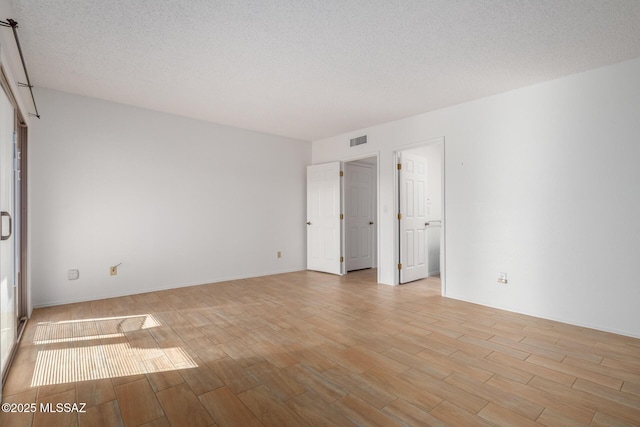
[(323, 218), (359, 216), (413, 243)]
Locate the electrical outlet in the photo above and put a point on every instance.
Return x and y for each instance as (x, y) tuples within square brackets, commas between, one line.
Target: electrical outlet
[(502, 278), (113, 270), (279, 255), (73, 274)]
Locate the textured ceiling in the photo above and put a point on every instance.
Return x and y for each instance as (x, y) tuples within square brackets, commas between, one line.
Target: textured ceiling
[(312, 69)]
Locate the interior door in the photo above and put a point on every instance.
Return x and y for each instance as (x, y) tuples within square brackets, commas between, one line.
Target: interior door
[(323, 218), (358, 183), (412, 179), (8, 321)]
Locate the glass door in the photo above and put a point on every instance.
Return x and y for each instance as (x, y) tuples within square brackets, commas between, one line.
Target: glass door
[(8, 303)]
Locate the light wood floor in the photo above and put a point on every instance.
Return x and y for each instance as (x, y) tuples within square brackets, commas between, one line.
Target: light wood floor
[(313, 349)]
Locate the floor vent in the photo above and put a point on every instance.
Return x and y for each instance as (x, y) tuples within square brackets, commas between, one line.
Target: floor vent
[(359, 140)]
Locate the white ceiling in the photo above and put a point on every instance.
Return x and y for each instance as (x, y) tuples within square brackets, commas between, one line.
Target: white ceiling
[(310, 69)]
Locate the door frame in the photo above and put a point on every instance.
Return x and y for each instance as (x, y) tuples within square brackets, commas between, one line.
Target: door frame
[(20, 212), (376, 208), (21, 209), (24, 306), (396, 203)]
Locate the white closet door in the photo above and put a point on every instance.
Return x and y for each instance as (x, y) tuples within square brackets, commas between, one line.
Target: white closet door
[(413, 236), (359, 216), (323, 218)]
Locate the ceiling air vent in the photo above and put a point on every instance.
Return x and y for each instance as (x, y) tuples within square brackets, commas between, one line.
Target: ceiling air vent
[(359, 140)]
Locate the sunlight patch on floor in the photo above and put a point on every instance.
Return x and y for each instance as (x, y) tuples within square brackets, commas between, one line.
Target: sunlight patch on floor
[(90, 329), (105, 361), (84, 362)]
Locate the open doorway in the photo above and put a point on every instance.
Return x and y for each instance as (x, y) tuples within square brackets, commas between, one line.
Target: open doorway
[(341, 193), (420, 202), (360, 186)]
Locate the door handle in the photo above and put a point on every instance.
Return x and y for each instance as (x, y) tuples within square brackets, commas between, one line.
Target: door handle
[(308, 222), (370, 222), (2, 215)]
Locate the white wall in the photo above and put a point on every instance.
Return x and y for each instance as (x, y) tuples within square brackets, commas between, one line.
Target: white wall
[(542, 183), (176, 201)]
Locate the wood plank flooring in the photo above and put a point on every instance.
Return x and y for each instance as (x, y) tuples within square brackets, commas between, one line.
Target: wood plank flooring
[(308, 348)]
